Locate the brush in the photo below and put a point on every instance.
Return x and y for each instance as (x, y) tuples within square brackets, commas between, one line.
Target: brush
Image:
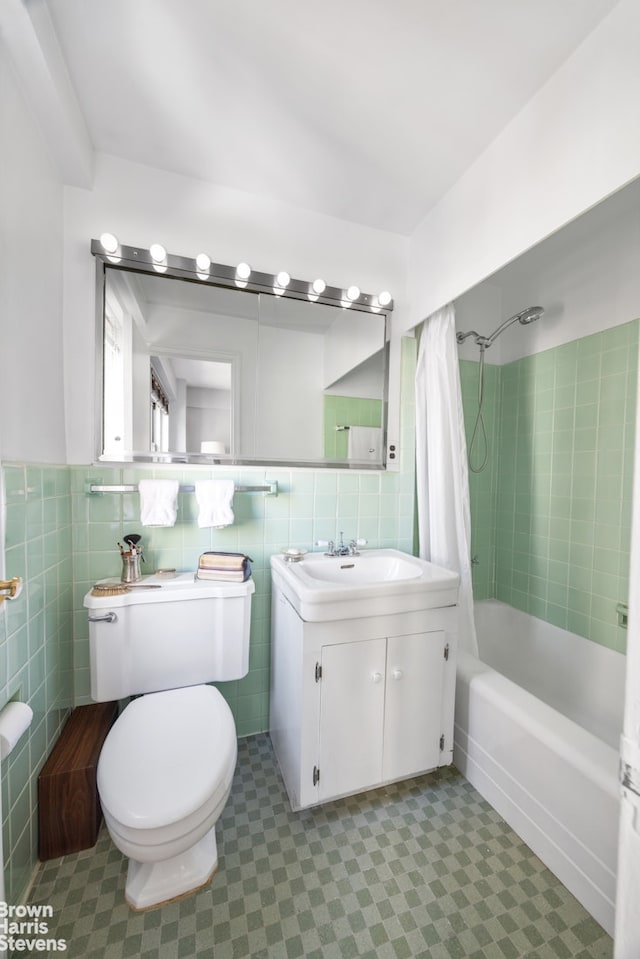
[(119, 589)]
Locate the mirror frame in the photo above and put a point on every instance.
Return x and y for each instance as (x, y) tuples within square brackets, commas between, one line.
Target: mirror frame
[(138, 260)]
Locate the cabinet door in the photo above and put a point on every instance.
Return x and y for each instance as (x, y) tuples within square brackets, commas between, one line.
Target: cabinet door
[(415, 676), (351, 717)]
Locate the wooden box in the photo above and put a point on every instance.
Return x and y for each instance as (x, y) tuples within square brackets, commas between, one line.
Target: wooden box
[(69, 812)]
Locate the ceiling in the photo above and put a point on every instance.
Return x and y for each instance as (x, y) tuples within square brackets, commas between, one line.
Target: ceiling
[(365, 110)]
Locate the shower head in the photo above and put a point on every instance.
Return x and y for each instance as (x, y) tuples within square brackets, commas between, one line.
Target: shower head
[(526, 316), (530, 315)]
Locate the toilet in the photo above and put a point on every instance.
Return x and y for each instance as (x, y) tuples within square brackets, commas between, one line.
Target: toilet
[(167, 765)]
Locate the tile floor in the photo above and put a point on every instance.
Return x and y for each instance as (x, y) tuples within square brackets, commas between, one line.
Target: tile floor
[(423, 868)]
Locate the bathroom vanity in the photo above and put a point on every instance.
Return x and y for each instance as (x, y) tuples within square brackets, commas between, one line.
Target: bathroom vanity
[(362, 671)]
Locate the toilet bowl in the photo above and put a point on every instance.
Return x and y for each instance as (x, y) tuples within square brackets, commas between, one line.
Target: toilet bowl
[(164, 776)]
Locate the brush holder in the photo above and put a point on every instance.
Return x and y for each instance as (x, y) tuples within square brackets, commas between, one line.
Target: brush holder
[(130, 567)]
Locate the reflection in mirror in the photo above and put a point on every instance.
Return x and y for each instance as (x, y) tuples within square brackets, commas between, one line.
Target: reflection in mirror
[(202, 373)]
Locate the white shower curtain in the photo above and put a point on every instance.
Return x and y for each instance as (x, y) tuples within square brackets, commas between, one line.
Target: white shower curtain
[(442, 479)]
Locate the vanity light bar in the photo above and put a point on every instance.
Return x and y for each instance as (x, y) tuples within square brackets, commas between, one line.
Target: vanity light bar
[(109, 250)]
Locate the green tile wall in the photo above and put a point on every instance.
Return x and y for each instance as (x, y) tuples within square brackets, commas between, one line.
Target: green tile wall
[(482, 485), (36, 648), (347, 411), (563, 468)]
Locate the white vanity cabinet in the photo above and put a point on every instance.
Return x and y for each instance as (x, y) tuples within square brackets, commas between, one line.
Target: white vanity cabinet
[(359, 702)]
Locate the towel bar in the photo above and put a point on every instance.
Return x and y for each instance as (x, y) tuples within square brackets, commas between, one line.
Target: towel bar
[(270, 489)]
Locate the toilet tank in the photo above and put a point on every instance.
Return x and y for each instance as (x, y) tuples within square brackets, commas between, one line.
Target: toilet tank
[(183, 632)]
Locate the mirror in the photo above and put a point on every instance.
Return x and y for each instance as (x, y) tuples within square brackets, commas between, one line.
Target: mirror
[(205, 373)]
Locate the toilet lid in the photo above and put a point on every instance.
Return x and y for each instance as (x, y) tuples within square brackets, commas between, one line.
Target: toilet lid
[(166, 755)]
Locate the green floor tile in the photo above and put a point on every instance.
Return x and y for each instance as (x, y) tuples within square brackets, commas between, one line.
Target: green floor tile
[(423, 868)]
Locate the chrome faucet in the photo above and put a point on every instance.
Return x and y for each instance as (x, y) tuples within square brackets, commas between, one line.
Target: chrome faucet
[(341, 549)]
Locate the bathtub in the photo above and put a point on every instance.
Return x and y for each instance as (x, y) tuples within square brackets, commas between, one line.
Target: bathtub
[(537, 724)]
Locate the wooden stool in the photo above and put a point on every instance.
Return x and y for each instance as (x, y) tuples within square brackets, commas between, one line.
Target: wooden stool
[(69, 812)]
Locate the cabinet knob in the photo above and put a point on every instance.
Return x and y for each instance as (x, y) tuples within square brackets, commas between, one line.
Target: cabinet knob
[(376, 677), (397, 674)]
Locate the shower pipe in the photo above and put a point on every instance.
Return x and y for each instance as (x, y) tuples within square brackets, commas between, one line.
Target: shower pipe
[(526, 316)]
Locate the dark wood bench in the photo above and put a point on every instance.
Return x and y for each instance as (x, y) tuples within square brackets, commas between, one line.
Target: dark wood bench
[(69, 812)]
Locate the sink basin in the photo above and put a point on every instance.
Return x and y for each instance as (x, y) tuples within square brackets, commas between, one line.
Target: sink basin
[(362, 570), (378, 582)]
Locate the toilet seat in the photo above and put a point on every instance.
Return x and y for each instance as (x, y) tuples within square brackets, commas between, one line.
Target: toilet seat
[(167, 764)]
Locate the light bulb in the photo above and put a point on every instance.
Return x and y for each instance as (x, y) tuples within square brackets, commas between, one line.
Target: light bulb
[(243, 271), (109, 242), (318, 286), (384, 298), (157, 252), (283, 279), (353, 293), (203, 262)]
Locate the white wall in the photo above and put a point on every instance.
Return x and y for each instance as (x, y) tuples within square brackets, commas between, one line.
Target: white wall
[(480, 310), (576, 142), (142, 205), (31, 217), (586, 276)]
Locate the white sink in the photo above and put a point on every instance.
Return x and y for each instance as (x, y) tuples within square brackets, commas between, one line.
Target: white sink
[(366, 569), (378, 582)]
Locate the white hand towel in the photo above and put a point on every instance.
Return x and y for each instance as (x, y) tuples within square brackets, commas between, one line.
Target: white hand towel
[(365, 443), (215, 499), (158, 502)]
